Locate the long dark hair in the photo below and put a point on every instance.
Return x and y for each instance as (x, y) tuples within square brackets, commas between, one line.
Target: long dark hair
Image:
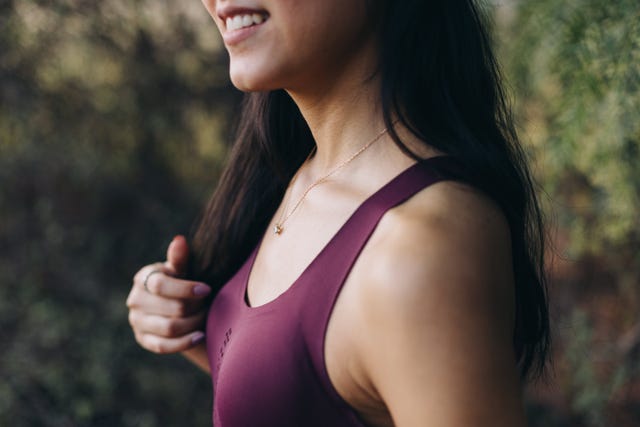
[(439, 79)]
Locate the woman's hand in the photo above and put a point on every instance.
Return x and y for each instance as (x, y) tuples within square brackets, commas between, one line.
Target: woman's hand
[(166, 313)]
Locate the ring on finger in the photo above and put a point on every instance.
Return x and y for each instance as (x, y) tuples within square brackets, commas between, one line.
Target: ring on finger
[(146, 279)]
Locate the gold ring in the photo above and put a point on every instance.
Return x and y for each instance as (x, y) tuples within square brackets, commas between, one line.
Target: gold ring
[(146, 279)]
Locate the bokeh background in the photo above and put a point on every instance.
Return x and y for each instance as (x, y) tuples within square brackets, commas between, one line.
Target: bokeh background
[(114, 124)]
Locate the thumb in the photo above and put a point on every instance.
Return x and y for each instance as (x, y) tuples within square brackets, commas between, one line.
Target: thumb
[(178, 255)]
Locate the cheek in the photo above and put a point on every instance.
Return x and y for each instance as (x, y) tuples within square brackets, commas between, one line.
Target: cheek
[(333, 29)]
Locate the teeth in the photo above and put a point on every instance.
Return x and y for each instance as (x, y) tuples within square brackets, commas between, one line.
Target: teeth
[(257, 18), (243, 21)]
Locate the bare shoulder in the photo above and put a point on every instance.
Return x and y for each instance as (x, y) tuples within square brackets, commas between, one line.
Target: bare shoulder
[(435, 285), (450, 237)]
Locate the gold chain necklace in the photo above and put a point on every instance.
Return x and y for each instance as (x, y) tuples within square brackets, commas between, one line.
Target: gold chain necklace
[(279, 227)]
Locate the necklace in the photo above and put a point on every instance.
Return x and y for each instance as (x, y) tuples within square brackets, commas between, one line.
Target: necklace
[(279, 227)]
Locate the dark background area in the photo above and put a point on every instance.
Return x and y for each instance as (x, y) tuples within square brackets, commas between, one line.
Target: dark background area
[(114, 122)]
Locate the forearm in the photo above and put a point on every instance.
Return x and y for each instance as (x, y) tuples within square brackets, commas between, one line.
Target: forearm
[(198, 356)]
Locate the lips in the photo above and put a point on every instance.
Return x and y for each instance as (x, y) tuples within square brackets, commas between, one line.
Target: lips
[(236, 17), (240, 22), (244, 20)]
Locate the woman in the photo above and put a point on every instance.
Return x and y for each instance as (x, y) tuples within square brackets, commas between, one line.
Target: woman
[(374, 248)]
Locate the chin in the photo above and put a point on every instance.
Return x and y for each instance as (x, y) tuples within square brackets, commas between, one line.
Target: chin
[(249, 85), (250, 78), (259, 74)]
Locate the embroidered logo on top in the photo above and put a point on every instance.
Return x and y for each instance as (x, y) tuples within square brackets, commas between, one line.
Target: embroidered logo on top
[(222, 349)]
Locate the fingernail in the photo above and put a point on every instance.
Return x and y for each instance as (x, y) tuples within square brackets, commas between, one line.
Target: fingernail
[(201, 289), (197, 338)]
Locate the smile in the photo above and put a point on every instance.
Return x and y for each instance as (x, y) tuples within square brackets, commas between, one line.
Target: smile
[(244, 20)]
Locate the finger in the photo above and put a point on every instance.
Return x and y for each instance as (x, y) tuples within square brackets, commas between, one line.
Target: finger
[(169, 287), (144, 272), (138, 282), (146, 302), (178, 255), (164, 345), (167, 327)]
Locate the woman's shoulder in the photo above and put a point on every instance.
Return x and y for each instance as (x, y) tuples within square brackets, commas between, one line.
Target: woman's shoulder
[(448, 244), (446, 219), (433, 301)]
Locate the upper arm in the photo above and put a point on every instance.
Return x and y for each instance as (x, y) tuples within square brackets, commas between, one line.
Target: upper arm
[(438, 300)]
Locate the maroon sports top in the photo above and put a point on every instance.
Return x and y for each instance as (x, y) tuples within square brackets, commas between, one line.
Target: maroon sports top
[(267, 362)]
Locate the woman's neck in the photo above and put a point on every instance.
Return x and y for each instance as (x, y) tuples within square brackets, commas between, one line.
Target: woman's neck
[(343, 114), (341, 127)]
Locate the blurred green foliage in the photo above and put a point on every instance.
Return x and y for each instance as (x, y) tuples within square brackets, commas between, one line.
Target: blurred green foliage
[(575, 68), (575, 65), (111, 116), (113, 120)]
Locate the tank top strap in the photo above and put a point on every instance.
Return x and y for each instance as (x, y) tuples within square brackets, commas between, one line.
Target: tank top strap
[(334, 264)]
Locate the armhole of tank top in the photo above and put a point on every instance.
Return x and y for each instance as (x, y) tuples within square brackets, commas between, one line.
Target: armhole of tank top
[(442, 169)]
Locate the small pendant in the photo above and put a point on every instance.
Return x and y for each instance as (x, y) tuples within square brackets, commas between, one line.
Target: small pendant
[(277, 229)]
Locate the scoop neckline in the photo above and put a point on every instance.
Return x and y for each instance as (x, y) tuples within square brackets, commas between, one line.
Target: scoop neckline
[(251, 261)]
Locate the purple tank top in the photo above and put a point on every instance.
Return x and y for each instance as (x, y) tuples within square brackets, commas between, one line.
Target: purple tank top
[(267, 362)]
